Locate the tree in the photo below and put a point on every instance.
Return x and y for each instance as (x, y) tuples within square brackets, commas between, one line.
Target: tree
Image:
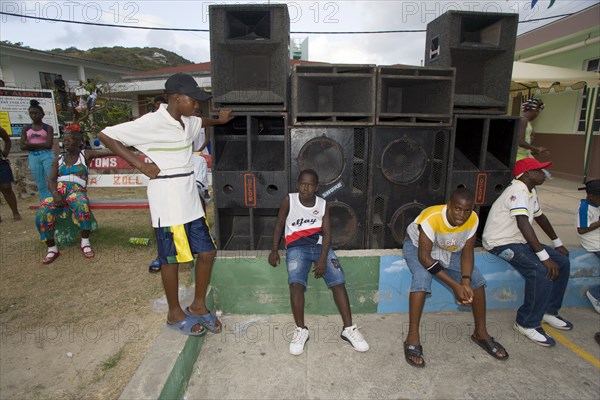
[(108, 110)]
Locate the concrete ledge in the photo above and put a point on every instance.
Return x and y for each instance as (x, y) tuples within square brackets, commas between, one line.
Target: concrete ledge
[(166, 369), (155, 370)]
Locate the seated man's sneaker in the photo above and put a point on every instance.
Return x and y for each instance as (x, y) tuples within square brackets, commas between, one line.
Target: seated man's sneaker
[(298, 341), (536, 335), (557, 322), (355, 338), (595, 301)]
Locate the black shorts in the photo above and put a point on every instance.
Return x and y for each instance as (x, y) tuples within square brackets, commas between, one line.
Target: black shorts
[(6, 175)]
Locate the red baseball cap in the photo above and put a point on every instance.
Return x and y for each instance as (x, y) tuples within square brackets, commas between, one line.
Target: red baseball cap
[(528, 164)]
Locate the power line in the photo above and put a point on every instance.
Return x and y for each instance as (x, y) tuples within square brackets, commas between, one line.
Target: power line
[(206, 30)]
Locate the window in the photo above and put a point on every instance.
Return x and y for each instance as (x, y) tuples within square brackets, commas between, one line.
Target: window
[(47, 80), (592, 65)]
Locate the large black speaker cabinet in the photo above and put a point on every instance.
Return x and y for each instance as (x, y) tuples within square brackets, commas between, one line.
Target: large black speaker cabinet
[(481, 47), (249, 51), (250, 179), (407, 174), (482, 155), (250, 161), (339, 156), (333, 94), (414, 96)]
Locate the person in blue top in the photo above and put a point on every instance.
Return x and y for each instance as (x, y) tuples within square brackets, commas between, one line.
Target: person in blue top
[(305, 217)]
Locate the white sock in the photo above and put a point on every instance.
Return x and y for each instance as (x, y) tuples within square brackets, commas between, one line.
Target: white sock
[(53, 248), (85, 242)]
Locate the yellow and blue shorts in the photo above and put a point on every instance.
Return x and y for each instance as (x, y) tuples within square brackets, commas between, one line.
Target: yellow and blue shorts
[(178, 244)]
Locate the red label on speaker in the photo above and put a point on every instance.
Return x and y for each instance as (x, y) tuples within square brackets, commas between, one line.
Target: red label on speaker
[(249, 190), (480, 189)]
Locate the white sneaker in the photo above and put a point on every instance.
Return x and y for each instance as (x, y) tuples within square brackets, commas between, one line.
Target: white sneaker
[(537, 335), (298, 341), (558, 322), (595, 301), (355, 338)]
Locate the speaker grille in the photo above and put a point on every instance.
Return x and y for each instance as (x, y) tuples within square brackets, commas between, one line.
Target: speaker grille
[(403, 161), (403, 217), (343, 222), (325, 156), (359, 172), (437, 170), (377, 228)]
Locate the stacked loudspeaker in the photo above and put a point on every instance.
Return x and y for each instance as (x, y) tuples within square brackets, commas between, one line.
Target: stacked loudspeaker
[(249, 47), (483, 143), (378, 138), (386, 141)]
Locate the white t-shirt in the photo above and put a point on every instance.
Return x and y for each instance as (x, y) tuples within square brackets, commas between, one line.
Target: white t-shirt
[(501, 226), (588, 214), (173, 201)]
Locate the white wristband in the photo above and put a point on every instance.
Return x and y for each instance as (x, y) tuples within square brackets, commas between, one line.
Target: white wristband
[(542, 255), (557, 242)]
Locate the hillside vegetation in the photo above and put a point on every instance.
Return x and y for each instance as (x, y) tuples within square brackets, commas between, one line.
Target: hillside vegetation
[(136, 57)]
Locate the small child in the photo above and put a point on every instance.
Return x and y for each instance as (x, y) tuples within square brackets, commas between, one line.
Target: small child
[(179, 221), (588, 218), (588, 222), (307, 236)]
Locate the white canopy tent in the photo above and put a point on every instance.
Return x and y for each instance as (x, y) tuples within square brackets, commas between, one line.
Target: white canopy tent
[(530, 78)]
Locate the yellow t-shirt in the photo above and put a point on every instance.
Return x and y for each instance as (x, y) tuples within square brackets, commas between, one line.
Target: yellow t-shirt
[(446, 238)]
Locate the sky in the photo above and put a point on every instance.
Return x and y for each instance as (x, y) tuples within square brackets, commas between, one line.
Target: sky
[(305, 16)]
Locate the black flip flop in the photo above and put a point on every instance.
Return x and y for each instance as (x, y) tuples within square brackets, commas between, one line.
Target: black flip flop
[(597, 337), (491, 347), (411, 350)]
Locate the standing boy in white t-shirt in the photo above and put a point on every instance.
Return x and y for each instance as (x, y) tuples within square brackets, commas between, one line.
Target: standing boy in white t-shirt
[(166, 137)]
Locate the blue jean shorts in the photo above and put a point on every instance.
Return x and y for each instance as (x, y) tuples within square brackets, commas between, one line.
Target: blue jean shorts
[(178, 244), (300, 259), (421, 279)]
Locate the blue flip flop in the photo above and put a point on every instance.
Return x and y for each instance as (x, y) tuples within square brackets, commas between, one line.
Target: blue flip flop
[(209, 321), (186, 325)]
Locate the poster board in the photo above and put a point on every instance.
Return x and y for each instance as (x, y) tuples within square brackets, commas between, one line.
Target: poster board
[(14, 109)]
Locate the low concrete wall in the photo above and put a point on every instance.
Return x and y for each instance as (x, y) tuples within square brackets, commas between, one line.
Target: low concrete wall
[(376, 284)]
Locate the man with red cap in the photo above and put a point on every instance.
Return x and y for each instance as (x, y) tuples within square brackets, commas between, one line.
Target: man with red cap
[(509, 234)]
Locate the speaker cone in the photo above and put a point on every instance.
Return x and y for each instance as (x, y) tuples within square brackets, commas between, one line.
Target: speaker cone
[(403, 161), (403, 217), (325, 156), (343, 222)]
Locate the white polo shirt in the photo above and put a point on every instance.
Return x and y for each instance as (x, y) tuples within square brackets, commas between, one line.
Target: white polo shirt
[(501, 226), (173, 201)]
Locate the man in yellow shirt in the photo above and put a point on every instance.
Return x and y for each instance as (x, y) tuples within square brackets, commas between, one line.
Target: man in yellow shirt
[(440, 242)]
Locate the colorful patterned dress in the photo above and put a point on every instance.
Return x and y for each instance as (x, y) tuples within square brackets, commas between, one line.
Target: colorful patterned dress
[(72, 182)]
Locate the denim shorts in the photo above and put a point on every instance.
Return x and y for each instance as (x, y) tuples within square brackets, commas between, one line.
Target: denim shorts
[(300, 259), (421, 279), (178, 244)]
